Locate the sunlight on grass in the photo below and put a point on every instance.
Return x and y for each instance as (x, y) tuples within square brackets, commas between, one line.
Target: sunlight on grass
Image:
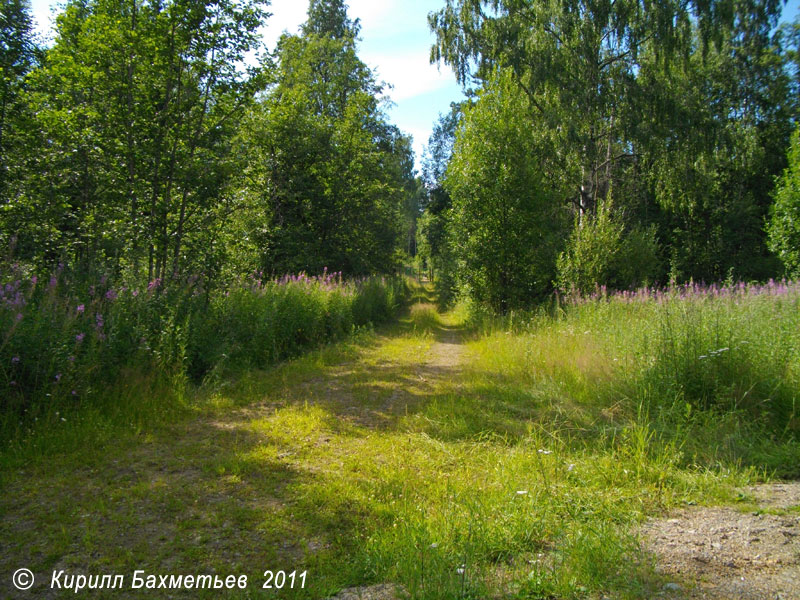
[(520, 467)]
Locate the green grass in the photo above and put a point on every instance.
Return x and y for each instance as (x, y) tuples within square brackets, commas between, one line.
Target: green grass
[(459, 462)]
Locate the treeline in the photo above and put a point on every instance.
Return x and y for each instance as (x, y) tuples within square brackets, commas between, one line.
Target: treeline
[(612, 143), (157, 140), (166, 184)]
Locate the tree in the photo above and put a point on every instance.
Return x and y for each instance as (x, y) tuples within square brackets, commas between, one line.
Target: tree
[(784, 222), (18, 55), (328, 176), (507, 222), (137, 103), (682, 107), (433, 239), (712, 148), (603, 253)]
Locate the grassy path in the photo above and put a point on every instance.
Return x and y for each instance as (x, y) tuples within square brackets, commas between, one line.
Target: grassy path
[(418, 455), (272, 471)]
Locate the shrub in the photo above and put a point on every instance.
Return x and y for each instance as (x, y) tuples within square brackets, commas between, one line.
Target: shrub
[(600, 253), (61, 340)]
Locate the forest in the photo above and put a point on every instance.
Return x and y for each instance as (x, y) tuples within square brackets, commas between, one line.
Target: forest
[(237, 308)]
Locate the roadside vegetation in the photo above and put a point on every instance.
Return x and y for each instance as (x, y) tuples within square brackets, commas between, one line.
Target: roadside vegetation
[(455, 455), (210, 363)]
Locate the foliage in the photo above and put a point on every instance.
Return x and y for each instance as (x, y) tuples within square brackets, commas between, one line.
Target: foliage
[(135, 104), (506, 224), (327, 177), (601, 253), (62, 340), (18, 55), (784, 224), (715, 189), (685, 109)]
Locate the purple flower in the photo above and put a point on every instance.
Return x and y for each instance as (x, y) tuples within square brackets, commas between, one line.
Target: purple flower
[(74, 393), (111, 295), (79, 337), (34, 280), (99, 321), (15, 360), (71, 359), (80, 309), (53, 281), (13, 383), (19, 316), (58, 376)]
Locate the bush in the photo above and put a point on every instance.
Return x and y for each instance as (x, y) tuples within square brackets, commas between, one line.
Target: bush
[(600, 253), (62, 341), (783, 227)]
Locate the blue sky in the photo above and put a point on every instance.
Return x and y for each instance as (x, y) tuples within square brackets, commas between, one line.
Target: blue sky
[(395, 42)]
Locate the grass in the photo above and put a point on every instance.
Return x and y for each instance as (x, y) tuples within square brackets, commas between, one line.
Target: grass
[(512, 460)]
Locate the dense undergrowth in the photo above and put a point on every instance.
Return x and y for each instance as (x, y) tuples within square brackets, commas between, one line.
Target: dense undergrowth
[(65, 344)]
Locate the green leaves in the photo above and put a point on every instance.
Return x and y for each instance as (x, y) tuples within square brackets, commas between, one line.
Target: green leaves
[(784, 223), (327, 176), (136, 104), (506, 221)]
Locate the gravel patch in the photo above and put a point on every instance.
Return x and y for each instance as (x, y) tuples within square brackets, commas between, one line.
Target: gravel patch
[(723, 553)]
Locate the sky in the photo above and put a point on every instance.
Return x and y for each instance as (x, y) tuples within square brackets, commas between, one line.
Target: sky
[(395, 43)]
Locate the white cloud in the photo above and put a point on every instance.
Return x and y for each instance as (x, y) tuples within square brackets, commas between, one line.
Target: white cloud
[(410, 74), (43, 15), (287, 15)]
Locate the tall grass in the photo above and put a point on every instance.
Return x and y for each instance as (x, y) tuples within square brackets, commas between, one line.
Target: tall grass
[(65, 343), (714, 368)]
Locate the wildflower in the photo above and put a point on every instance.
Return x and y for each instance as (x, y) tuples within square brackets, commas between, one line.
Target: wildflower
[(99, 321), (460, 570), (34, 280), (434, 545), (74, 393), (111, 295), (15, 360), (542, 451), (71, 359), (58, 376), (522, 492), (19, 316), (80, 309), (12, 383), (53, 281), (571, 467), (79, 337)]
